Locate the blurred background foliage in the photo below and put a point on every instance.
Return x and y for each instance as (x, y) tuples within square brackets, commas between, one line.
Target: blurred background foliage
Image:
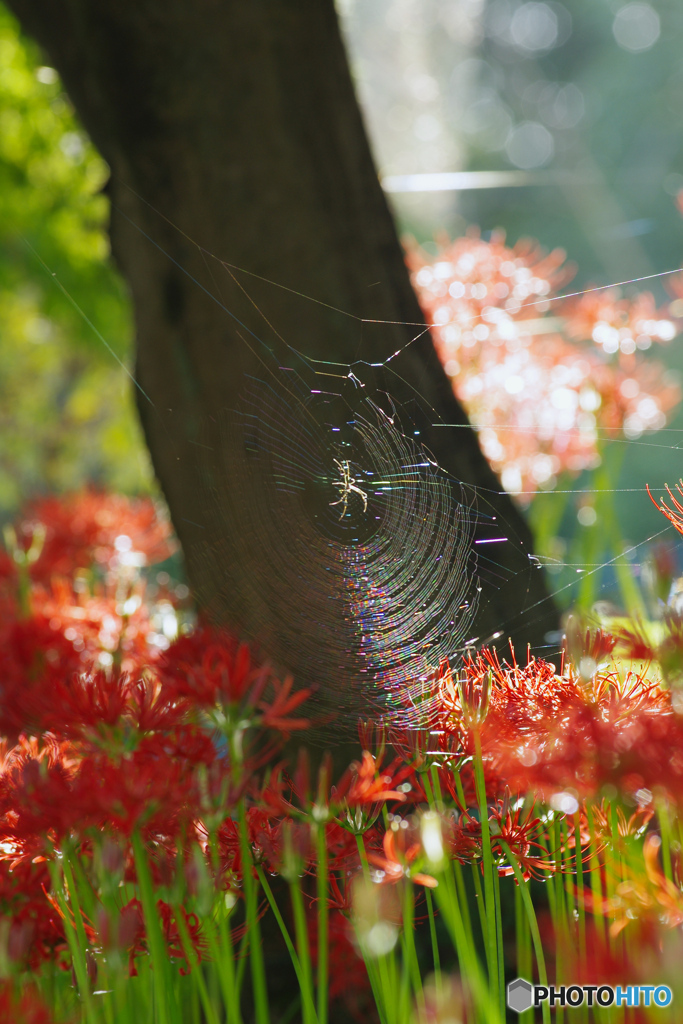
[(66, 407), (557, 121)]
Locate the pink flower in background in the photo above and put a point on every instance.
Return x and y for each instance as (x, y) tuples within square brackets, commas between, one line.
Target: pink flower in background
[(541, 382)]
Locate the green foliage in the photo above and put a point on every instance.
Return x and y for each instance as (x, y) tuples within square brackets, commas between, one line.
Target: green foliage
[(66, 412)]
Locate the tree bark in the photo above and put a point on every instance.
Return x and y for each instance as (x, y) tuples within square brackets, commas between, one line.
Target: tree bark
[(232, 129)]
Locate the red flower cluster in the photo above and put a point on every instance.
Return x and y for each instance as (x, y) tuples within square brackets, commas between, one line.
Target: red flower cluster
[(86, 530), (147, 742), (59, 617), (549, 734), (541, 381), (176, 749)]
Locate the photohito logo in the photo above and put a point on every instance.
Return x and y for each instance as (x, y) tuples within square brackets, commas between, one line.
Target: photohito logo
[(522, 995)]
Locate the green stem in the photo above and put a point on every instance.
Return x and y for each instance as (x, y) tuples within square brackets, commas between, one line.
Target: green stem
[(479, 897), (222, 949), (523, 948), (499, 943), (75, 934), (376, 969), (304, 984), (561, 923), (578, 853), (195, 965), (409, 944), (258, 970), (489, 894), (435, 945), (302, 942), (470, 969), (595, 879), (155, 938), (323, 924), (533, 924), (462, 897)]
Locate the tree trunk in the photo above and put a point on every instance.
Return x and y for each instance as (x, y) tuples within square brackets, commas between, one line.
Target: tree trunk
[(231, 129)]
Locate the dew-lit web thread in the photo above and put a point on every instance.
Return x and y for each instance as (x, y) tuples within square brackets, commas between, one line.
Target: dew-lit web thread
[(365, 605)]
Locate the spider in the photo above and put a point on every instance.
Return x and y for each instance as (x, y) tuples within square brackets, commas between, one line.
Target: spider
[(346, 485)]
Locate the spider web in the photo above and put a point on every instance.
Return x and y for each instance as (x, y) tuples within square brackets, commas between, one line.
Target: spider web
[(372, 577)]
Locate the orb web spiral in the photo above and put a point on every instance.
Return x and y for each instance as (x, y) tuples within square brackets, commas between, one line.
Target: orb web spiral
[(350, 559)]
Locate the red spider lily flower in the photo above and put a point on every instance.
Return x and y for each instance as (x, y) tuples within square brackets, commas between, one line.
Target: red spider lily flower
[(474, 690), (34, 929), (342, 849), (666, 652), (274, 715), (104, 628), (540, 394), (462, 837), (272, 796), (361, 791), (363, 784), (266, 842), (338, 899), (171, 933), (209, 667), (229, 855), (667, 895), (81, 530), (114, 715), (154, 793), (283, 845), (566, 735), (600, 316), (551, 733), (521, 832), (129, 933), (585, 841), (37, 781), (516, 697), (90, 932), (675, 514), (99, 706), (399, 855), (265, 839), (194, 745), (210, 672), (317, 809), (34, 658), (88, 704), (620, 697)]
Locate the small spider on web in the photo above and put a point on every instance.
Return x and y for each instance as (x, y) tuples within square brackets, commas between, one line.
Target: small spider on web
[(347, 485)]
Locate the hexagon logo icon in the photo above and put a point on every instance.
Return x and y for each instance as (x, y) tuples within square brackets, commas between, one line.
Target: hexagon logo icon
[(520, 995)]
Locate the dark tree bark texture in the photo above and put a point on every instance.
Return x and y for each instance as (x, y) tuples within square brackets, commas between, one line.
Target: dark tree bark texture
[(231, 128)]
